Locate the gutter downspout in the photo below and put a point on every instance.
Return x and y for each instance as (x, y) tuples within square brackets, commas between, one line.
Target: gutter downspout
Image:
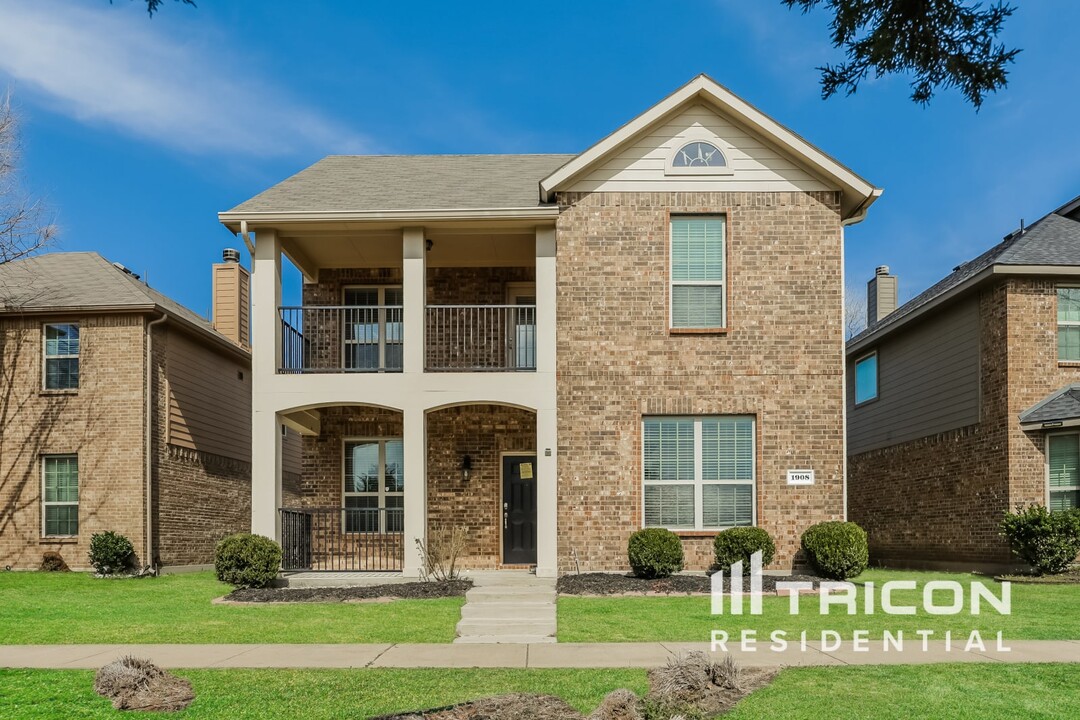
[(148, 558), (247, 237)]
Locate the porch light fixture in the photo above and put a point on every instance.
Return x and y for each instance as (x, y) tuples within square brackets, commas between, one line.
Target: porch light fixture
[(466, 467), (429, 243)]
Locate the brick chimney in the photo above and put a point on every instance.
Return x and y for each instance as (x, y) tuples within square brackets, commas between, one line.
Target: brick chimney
[(882, 294), (232, 299)]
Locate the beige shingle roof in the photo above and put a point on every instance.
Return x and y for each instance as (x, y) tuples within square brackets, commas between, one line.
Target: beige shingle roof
[(84, 281), (366, 183)]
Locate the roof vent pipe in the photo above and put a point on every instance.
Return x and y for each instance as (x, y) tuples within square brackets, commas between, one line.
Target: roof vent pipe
[(230, 255)]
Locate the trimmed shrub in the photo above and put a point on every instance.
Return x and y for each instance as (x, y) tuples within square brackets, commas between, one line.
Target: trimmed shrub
[(111, 553), (837, 550), (655, 553), (1047, 541), (247, 561), (53, 561), (739, 543)]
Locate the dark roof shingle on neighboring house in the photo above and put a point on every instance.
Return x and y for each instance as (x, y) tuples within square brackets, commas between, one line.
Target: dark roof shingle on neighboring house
[(1060, 406), (369, 183), (1051, 240), (85, 281)]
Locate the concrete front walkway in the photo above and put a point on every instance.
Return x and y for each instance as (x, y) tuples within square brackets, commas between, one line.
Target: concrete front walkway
[(554, 655)]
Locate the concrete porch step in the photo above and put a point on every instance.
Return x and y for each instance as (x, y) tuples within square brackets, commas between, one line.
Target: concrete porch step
[(505, 639), (484, 595), (500, 626)]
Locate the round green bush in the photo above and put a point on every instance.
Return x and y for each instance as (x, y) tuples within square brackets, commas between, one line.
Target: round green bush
[(837, 550), (247, 561), (738, 544), (111, 553), (655, 553), (1047, 541)]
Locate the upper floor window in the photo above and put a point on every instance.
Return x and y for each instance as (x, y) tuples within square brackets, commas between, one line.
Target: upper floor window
[(1068, 314), (698, 473), (866, 378), (60, 506), (698, 157), (698, 249), (62, 356), (373, 328), (1063, 458)]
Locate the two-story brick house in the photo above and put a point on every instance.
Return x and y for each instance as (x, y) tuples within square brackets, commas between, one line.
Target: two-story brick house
[(553, 351), (120, 410), (961, 401)]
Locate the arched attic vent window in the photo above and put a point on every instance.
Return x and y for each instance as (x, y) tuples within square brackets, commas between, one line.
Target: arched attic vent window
[(698, 157)]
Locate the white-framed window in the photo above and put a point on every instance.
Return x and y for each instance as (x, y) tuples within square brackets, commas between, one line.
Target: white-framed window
[(698, 473), (1068, 323), (1063, 471), (373, 328), (698, 157), (60, 495), (374, 485), (61, 363), (866, 378), (698, 272)]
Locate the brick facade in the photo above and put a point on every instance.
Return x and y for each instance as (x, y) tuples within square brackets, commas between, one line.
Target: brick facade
[(938, 501), (198, 497), (780, 360)]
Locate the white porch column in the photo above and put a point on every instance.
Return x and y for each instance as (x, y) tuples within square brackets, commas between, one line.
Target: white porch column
[(547, 440), (414, 441), (414, 284), (265, 425)]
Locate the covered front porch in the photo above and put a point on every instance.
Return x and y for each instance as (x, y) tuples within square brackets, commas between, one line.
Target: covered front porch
[(365, 493)]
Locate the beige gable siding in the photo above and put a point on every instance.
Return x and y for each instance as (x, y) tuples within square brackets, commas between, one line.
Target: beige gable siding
[(928, 382), (209, 405), (640, 164)]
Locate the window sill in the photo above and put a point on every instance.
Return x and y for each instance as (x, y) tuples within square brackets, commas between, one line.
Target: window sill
[(59, 392), (698, 331), (58, 540), (1069, 363), (696, 533)]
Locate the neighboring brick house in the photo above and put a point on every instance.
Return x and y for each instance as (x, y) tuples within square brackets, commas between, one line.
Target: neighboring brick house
[(961, 403), (553, 351), (120, 410)]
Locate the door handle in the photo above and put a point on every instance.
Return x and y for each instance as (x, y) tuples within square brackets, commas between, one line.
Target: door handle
[(506, 520)]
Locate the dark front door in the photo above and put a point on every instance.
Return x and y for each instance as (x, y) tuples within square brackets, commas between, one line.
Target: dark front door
[(519, 509)]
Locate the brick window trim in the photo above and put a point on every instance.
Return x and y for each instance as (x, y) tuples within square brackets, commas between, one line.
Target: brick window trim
[(727, 213)]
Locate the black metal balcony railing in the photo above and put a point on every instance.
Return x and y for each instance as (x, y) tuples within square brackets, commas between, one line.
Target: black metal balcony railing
[(458, 338), (342, 539), (479, 338), (321, 339)]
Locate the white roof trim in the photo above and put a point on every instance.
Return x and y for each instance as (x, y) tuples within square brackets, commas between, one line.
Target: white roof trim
[(858, 194), (432, 215)]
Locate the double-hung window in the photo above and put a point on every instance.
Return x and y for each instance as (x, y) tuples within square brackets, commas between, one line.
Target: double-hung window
[(374, 486), (373, 328), (698, 266), (61, 356), (1063, 458), (698, 472), (1068, 323), (60, 495)]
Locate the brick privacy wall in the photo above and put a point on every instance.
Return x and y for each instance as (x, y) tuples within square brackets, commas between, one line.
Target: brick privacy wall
[(781, 360), (199, 497), (102, 423), (482, 432)]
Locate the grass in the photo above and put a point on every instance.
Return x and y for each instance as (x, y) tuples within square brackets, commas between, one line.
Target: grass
[(257, 694), (948, 692), (41, 608), (1039, 612)]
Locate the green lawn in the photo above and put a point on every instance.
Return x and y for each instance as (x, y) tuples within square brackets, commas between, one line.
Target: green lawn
[(1039, 612), (949, 692), (258, 694), (40, 608)]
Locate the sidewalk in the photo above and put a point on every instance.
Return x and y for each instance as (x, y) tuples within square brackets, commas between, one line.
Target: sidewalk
[(556, 655)]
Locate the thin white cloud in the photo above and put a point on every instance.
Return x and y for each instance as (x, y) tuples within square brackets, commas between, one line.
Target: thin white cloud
[(173, 81)]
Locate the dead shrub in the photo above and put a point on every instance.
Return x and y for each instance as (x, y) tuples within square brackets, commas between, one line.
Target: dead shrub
[(137, 684), (52, 561), (441, 551), (619, 704)]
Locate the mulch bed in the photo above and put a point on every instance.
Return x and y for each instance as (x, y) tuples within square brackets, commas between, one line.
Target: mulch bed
[(679, 584), (1068, 578), (389, 591)]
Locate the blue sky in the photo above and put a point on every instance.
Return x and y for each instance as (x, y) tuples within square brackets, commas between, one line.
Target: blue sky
[(136, 132)]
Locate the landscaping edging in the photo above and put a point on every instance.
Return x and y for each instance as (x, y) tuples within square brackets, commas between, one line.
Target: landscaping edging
[(361, 593), (617, 585)]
